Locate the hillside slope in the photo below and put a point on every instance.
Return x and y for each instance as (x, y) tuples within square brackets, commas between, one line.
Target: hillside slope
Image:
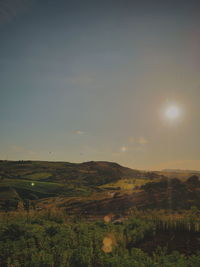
[(41, 179), (87, 173), (92, 186)]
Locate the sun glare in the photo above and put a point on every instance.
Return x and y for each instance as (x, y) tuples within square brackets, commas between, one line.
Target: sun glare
[(172, 112)]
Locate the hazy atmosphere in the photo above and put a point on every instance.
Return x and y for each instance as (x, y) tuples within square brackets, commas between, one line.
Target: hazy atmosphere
[(99, 140), (101, 80)]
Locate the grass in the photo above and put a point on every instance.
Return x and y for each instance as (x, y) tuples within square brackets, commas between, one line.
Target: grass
[(33, 185), (38, 176), (28, 189), (127, 184)]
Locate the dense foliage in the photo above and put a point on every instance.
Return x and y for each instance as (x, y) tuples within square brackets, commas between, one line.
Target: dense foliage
[(51, 239), (173, 193)]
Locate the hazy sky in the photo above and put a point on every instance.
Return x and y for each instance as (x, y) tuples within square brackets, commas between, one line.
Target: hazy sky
[(91, 80)]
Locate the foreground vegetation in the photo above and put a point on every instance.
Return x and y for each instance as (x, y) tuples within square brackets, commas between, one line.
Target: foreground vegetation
[(96, 214), (51, 238)]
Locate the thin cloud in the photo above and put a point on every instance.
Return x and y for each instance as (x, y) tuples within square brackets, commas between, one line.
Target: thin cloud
[(123, 149), (79, 132)]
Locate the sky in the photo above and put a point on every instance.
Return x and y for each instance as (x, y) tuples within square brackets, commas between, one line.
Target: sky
[(94, 80)]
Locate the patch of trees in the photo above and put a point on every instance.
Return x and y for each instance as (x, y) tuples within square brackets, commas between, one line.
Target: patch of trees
[(173, 193)]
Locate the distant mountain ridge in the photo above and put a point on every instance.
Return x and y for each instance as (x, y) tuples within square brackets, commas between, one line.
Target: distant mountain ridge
[(180, 170)]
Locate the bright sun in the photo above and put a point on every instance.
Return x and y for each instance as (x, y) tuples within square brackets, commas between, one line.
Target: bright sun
[(172, 112)]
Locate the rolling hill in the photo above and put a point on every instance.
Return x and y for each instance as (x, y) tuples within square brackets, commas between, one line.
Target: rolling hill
[(93, 187)]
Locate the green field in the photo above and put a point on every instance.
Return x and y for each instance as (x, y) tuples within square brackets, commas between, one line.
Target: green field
[(35, 189), (127, 184)]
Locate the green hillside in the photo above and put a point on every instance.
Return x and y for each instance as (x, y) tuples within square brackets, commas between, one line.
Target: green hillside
[(94, 186)]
